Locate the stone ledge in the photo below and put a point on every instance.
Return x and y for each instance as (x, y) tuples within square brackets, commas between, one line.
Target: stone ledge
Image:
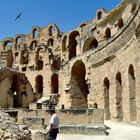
[(83, 129)]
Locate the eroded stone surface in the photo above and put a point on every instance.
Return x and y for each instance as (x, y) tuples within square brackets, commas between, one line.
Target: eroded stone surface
[(9, 129)]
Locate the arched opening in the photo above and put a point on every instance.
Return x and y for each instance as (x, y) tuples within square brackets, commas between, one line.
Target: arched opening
[(35, 33), (120, 23), (39, 86), (33, 45), (106, 85), (8, 45), (54, 84), (50, 42), (10, 58), (107, 33), (51, 31), (90, 43), (24, 57), (83, 25), (17, 42), (55, 62), (64, 44), (39, 59), (99, 15), (119, 110), (72, 44), (79, 88), (15, 89), (132, 93)]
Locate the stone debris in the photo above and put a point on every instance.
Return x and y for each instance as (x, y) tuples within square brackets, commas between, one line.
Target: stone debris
[(10, 130)]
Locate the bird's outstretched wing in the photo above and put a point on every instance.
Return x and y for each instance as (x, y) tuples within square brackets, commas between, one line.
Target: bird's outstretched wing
[(18, 16)]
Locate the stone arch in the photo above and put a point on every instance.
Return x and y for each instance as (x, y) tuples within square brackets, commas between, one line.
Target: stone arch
[(107, 33), (24, 58), (54, 84), (39, 86), (50, 42), (64, 41), (18, 42), (90, 43), (99, 15), (120, 23), (79, 88), (33, 45), (132, 93), (53, 30), (39, 59), (15, 90), (35, 33), (106, 85), (72, 44), (119, 109), (82, 25), (8, 44)]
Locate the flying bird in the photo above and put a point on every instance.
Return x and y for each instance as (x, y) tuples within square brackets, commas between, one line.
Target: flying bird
[(18, 16)]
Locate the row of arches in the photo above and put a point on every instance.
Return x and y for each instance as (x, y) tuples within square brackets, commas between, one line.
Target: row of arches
[(52, 30), (80, 90), (8, 45), (16, 42), (10, 42), (39, 85), (119, 96), (90, 43)]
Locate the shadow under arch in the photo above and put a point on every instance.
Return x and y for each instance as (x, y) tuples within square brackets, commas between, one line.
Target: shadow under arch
[(79, 88), (90, 43)]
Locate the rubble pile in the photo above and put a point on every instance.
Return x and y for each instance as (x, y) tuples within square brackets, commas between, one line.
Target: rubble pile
[(10, 130)]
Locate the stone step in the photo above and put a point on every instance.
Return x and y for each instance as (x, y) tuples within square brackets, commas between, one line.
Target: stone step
[(83, 129)]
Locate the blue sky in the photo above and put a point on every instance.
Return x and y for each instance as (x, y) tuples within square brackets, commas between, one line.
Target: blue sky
[(67, 14)]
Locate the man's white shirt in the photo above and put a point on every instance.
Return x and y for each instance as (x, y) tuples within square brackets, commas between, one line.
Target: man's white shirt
[(55, 121)]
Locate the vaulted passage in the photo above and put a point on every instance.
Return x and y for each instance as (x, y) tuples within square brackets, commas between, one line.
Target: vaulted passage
[(72, 44), (132, 93), (15, 90), (79, 88), (119, 110), (24, 57), (54, 83), (106, 99), (107, 33), (90, 43), (38, 59), (39, 86), (33, 45)]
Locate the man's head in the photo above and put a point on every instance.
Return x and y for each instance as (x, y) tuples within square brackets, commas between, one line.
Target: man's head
[(52, 111)]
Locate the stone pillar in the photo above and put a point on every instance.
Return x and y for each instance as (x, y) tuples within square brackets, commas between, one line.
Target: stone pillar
[(24, 100), (137, 78)]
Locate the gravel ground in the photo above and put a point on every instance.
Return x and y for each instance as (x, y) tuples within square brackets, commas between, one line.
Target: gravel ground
[(118, 131)]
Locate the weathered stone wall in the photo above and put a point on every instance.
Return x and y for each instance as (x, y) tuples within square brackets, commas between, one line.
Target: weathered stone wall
[(94, 65), (9, 129), (15, 89), (67, 117)]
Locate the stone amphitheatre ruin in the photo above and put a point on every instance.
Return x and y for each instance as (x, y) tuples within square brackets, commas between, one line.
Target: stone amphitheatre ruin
[(95, 65)]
